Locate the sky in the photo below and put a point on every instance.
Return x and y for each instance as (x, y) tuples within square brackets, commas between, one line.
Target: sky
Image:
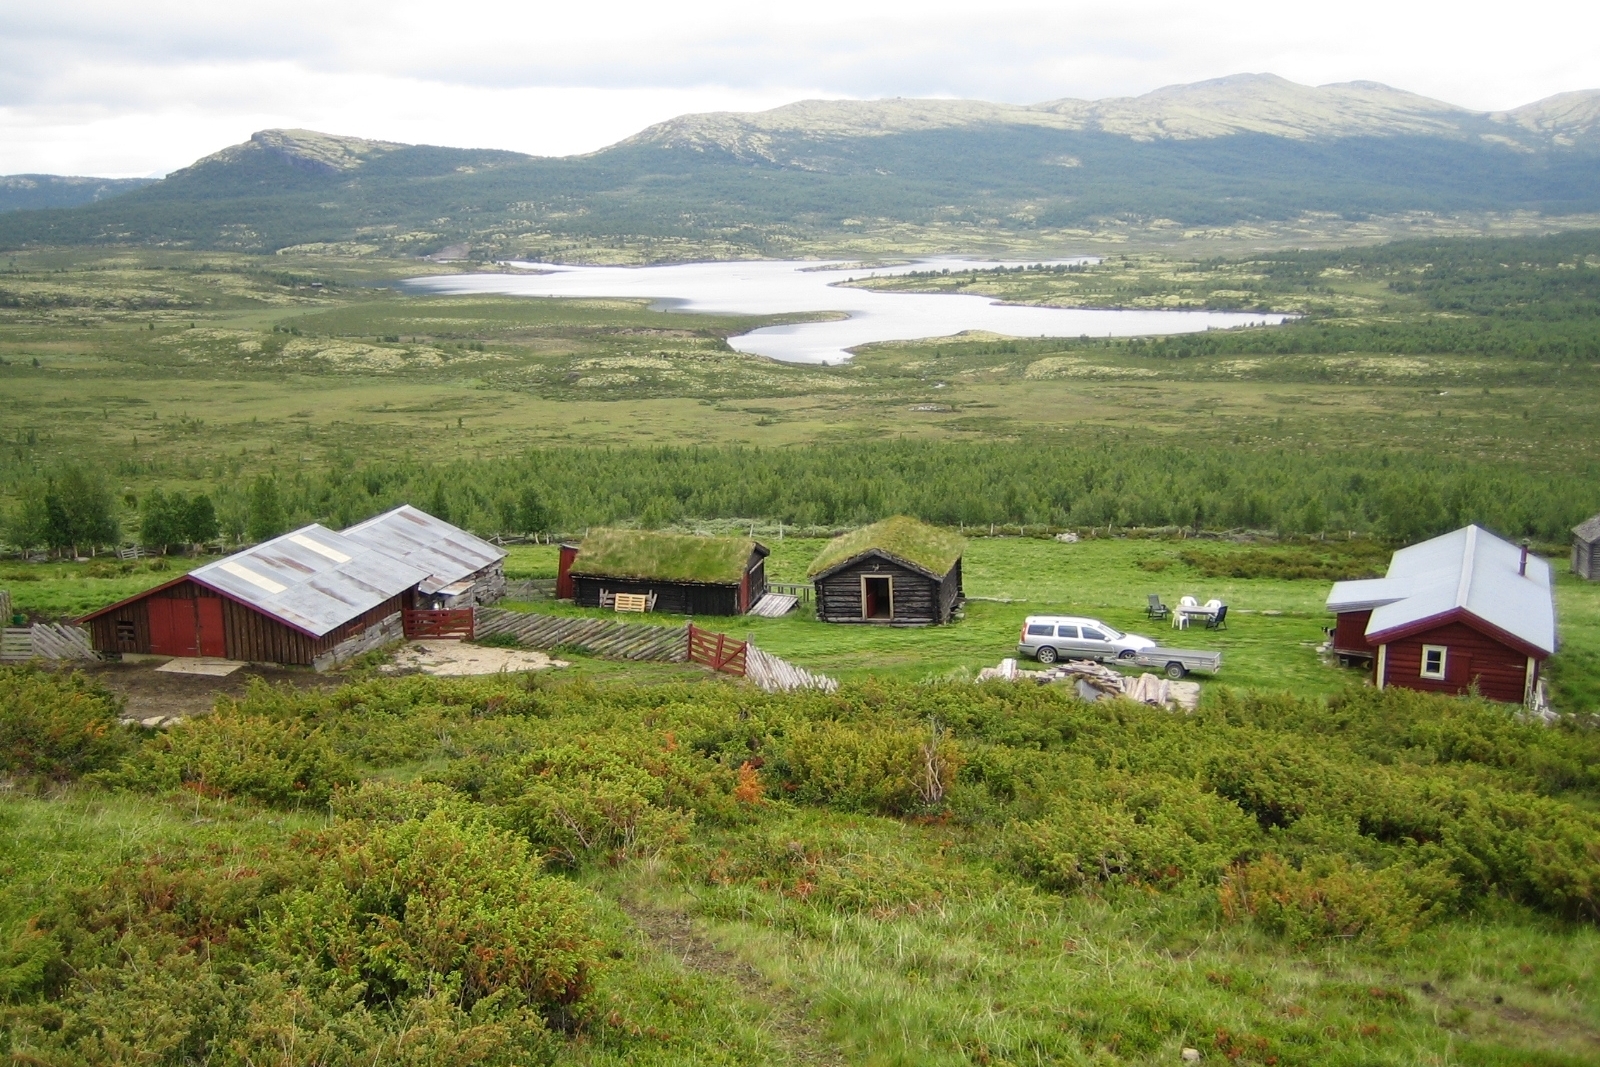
[(120, 89)]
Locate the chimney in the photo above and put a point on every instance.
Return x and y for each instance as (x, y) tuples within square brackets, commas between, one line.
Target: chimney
[(1522, 568)]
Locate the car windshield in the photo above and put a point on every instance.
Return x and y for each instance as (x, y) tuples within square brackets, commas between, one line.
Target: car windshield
[(1111, 631)]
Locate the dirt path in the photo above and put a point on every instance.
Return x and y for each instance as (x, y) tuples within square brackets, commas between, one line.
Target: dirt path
[(673, 933), (148, 693)]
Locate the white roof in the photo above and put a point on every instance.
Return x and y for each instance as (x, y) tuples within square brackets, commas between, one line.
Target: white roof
[(1470, 570), (447, 553), (312, 579)]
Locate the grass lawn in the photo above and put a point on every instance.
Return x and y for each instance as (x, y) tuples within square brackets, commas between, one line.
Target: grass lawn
[(1009, 578)]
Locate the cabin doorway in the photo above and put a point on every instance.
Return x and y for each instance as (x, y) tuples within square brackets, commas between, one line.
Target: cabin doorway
[(877, 597)]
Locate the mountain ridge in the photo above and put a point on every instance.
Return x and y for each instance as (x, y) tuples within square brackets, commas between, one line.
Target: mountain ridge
[(1237, 150)]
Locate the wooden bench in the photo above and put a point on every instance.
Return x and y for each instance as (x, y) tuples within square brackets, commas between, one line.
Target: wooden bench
[(634, 602)]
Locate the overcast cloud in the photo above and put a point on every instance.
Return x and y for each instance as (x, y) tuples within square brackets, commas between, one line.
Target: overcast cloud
[(118, 88)]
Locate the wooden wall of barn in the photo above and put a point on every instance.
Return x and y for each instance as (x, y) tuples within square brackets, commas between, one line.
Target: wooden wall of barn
[(1583, 559), (1350, 632), (677, 598), (918, 599), (249, 635), (1501, 672)]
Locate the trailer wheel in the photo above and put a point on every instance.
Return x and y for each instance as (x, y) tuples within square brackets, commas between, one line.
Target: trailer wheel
[(1176, 670), (1046, 654)]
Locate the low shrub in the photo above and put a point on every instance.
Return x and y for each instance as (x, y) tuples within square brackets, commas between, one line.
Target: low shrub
[(374, 800), (420, 942), (1152, 831), (411, 908), (578, 804), (230, 753), (57, 727), (1337, 900), (889, 769)]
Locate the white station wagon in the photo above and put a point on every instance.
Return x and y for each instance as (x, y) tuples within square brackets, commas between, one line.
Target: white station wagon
[(1048, 638)]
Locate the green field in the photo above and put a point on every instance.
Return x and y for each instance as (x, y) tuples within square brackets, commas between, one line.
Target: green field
[(648, 864)]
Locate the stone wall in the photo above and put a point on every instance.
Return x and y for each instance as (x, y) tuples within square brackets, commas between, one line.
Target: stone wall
[(391, 629)]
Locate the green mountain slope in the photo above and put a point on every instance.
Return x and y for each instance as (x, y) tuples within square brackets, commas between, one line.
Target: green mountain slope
[(1252, 147), (26, 192)]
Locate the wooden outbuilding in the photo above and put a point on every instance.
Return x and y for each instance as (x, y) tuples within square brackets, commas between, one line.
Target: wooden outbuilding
[(1585, 559), (463, 569), (895, 572), (312, 598), (1466, 609), (680, 573)]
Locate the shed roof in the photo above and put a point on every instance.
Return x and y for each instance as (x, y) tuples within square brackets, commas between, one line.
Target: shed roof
[(927, 548), (1469, 571), (1589, 529), (448, 553), (313, 579), (669, 557)]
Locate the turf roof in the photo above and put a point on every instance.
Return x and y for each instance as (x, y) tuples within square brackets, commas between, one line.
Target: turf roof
[(666, 556), (928, 547)]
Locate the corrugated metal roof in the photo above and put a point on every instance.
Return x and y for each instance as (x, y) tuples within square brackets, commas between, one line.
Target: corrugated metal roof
[(1367, 593), (1470, 570), (447, 553), (313, 579)]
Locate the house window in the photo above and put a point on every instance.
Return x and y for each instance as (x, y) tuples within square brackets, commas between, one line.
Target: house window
[(1433, 662), (126, 635)]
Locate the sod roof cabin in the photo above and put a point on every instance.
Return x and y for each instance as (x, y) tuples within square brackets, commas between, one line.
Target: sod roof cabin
[(898, 571), (687, 574)]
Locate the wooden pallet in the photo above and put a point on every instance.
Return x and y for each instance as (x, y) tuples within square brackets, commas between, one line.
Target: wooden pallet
[(774, 605)]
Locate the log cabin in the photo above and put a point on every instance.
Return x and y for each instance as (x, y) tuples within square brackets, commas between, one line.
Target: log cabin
[(1585, 540), (1463, 610), (898, 572), (311, 598), (685, 574)]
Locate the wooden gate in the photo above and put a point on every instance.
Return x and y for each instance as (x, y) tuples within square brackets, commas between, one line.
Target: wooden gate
[(717, 651), (449, 623)]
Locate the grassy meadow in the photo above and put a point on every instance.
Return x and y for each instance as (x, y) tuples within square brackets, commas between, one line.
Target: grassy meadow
[(617, 863)]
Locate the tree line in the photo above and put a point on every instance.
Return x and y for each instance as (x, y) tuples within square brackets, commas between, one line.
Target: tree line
[(1061, 481)]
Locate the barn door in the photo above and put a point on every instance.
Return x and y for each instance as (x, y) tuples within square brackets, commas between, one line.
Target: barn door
[(210, 619), (172, 627)]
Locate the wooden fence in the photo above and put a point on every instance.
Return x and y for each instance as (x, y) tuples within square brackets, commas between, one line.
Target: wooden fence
[(598, 637), (775, 675), (45, 640), (454, 623), (804, 592), (642, 641), (717, 651)]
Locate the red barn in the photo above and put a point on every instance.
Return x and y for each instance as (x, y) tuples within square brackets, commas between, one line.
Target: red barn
[(1463, 609), (312, 597)]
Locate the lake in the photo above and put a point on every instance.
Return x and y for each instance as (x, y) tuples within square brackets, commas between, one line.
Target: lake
[(778, 287)]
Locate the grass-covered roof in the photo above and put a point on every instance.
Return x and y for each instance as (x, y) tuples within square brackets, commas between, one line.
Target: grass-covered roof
[(669, 557), (928, 547)]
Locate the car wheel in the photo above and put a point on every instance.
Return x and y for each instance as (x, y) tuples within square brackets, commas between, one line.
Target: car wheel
[(1176, 670), (1046, 654), (1126, 653)]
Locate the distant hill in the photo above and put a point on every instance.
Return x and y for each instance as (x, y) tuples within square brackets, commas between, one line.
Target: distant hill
[(1249, 147), (27, 192)]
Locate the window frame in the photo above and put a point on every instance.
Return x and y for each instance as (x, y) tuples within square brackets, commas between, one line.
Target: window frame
[(1444, 663)]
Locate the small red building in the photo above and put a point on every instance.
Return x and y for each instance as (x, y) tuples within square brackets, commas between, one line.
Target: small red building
[(312, 597), (1464, 609)]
